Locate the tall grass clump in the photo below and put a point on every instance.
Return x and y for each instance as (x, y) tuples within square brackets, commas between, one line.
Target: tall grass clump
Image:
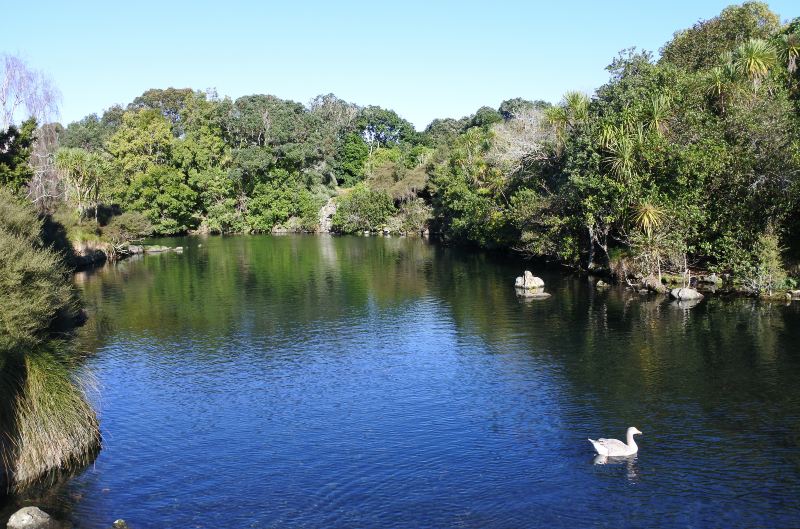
[(46, 423), (54, 428)]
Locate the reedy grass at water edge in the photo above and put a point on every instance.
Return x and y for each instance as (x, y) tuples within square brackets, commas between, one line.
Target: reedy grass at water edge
[(49, 428)]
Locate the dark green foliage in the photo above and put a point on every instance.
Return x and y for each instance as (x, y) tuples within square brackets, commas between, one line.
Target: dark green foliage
[(278, 199), (676, 165), (441, 132), (163, 196), (15, 152), (127, 226), (352, 157), (34, 284), (468, 199), (362, 210), (485, 117), (89, 133), (262, 121), (385, 128), (700, 46), (170, 102)]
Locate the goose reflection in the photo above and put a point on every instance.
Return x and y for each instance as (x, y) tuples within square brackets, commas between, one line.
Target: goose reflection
[(632, 470)]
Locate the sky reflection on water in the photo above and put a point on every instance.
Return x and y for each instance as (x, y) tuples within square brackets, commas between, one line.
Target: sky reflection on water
[(307, 381)]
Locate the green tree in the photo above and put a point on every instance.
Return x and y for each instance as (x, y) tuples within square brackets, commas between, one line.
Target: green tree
[(351, 159), (277, 200), (755, 58), (142, 142), (84, 173), (169, 102), (516, 106), (15, 151), (485, 117), (164, 197), (701, 46), (384, 128), (362, 210)]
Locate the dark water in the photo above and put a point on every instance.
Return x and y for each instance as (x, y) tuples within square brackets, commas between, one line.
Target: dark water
[(326, 382)]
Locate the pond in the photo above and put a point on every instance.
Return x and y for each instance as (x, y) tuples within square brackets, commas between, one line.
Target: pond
[(315, 381)]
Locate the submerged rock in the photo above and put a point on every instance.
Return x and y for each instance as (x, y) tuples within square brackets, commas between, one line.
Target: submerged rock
[(120, 524), (685, 294), (33, 518), (685, 304), (530, 294), (601, 284), (161, 249), (528, 281), (156, 249)]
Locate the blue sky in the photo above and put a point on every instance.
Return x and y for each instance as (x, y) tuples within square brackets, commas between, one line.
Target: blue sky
[(424, 59)]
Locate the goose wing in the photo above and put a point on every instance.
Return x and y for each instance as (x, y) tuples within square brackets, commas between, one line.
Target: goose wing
[(614, 446)]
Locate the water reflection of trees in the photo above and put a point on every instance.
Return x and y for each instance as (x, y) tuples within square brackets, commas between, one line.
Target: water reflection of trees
[(259, 284), (610, 346), (632, 355)]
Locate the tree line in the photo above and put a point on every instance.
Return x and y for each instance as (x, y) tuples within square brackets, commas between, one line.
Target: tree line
[(685, 162)]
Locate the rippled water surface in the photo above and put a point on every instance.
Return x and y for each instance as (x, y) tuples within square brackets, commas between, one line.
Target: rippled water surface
[(324, 382)]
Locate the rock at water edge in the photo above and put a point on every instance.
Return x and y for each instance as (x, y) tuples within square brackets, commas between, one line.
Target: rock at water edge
[(326, 216), (685, 294), (529, 281), (32, 518)]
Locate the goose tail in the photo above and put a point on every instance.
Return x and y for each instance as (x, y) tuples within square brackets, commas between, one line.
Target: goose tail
[(602, 450)]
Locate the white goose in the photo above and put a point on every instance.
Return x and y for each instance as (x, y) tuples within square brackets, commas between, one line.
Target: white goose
[(615, 447)]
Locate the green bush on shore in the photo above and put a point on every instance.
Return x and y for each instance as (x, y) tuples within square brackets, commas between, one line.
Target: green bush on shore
[(34, 283), (362, 210)]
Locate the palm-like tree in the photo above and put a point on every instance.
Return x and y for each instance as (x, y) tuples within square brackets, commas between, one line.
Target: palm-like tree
[(622, 157), (557, 118), (577, 105), (82, 172), (607, 134), (789, 50), (658, 113), (649, 217), (720, 80), (754, 59)]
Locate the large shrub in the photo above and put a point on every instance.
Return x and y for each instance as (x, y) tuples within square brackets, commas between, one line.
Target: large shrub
[(34, 284), (128, 226), (163, 196), (362, 210), (280, 199)]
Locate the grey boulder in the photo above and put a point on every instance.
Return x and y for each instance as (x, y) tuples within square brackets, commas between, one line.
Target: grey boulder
[(528, 281), (685, 294), (32, 518)]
